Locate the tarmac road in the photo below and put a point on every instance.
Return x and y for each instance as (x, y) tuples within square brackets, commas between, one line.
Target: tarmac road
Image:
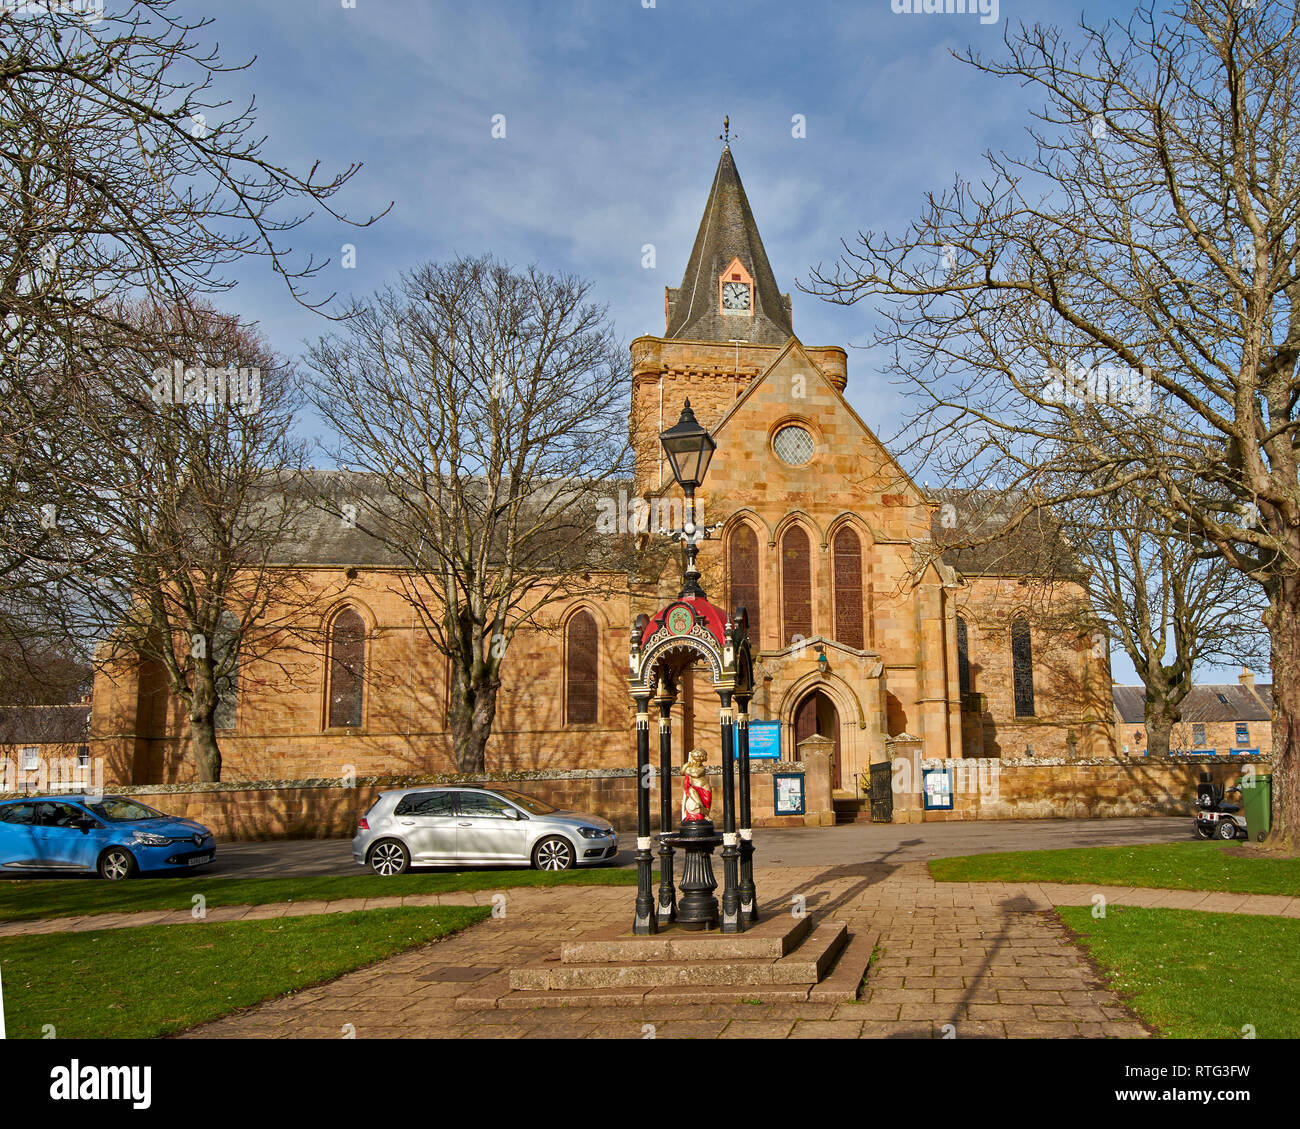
[(804, 846)]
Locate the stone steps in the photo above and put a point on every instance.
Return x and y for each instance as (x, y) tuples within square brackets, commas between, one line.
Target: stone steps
[(805, 966), (771, 938), (800, 962), (852, 810)]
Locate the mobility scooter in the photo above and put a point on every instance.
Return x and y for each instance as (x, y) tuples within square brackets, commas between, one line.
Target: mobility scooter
[(1214, 818)]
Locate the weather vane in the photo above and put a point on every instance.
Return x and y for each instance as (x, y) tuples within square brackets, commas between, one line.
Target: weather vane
[(726, 136)]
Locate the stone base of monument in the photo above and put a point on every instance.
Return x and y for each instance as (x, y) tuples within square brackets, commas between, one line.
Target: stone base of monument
[(783, 959)]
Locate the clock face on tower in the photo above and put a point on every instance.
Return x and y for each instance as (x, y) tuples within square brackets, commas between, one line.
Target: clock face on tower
[(735, 296)]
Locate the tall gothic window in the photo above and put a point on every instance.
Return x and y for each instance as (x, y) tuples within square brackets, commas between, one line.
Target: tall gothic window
[(847, 552), (742, 565), (581, 657), (963, 657), (228, 683), (347, 669), (1022, 668), (796, 585)]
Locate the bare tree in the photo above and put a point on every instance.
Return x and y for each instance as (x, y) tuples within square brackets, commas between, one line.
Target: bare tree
[(122, 172), (483, 410), (37, 666), (1139, 264), (189, 483), (1168, 604)]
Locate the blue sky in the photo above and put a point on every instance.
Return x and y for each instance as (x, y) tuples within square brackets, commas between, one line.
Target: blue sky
[(612, 111)]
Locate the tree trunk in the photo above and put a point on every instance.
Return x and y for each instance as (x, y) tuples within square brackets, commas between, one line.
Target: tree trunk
[(1160, 724), (207, 755), (203, 729), (1284, 636), (473, 709), (1161, 707)]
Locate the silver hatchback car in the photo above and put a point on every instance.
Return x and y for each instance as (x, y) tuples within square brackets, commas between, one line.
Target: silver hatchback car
[(477, 827)]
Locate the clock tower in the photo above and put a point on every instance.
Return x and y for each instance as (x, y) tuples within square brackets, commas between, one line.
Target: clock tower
[(728, 292), (724, 325)]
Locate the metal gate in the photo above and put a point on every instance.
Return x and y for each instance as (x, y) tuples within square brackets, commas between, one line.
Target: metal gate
[(882, 794)]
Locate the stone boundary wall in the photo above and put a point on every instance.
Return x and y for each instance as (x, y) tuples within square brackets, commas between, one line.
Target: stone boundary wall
[(989, 788), (327, 809), (986, 788)]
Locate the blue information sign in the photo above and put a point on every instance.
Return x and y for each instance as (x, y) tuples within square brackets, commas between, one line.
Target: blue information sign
[(764, 741)]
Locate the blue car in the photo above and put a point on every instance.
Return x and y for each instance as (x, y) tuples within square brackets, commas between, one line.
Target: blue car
[(113, 836)]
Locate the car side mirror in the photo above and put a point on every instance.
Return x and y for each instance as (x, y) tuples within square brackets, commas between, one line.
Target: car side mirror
[(84, 824), (514, 813)]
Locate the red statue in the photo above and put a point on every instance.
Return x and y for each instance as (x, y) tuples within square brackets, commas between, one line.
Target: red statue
[(697, 797)]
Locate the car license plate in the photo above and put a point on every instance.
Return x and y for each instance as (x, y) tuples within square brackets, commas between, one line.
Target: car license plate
[(199, 860)]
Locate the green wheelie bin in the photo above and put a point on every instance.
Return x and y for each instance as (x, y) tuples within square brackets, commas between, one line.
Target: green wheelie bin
[(1257, 806)]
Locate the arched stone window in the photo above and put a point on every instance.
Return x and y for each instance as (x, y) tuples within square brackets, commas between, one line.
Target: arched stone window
[(963, 657), (796, 585), (742, 567), (347, 670), (581, 662), (1022, 668), (846, 551), (227, 684)]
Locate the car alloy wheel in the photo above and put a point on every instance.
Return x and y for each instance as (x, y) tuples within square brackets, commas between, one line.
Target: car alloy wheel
[(116, 864), (388, 858), (553, 854)]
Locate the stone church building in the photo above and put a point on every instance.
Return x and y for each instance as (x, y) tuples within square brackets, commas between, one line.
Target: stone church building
[(865, 627)]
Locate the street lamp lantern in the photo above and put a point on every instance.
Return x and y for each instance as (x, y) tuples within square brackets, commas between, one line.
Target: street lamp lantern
[(689, 448)]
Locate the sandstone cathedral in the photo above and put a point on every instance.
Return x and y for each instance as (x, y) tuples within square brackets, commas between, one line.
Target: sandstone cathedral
[(864, 626)]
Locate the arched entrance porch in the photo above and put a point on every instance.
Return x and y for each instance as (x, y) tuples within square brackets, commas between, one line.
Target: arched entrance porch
[(816, 714)]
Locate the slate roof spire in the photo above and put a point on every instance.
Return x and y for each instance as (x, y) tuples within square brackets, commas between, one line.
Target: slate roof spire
[(727, 233)]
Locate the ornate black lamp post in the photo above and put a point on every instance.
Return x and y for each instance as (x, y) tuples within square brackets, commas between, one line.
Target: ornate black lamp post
[(689, 448), (690, 630)]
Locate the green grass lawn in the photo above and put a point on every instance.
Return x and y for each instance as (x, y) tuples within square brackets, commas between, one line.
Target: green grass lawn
[(71, 897), (144, 982), (1173, 866), (1199, 975)]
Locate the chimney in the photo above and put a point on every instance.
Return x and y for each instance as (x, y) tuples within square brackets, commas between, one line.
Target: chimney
[(1247, 679)]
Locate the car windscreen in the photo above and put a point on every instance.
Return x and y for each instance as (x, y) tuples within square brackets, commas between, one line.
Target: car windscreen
[(528, 803), (117, 810)]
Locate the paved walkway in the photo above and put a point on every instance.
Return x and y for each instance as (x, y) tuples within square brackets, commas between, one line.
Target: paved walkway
[(90, 922), (1044, 894), (955, 960)]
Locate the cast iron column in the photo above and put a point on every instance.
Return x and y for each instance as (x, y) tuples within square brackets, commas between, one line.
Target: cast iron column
[(667, 908), (645, 921), (748, 895), (731, 922)]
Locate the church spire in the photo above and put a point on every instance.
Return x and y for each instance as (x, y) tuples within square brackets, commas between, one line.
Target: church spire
[(728, 292)]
